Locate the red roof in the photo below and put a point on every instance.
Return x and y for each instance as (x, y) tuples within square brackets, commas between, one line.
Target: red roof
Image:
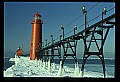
[(19, 52), (37, 14)]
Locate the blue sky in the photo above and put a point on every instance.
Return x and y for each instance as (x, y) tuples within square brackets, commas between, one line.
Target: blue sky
[(18, 17)]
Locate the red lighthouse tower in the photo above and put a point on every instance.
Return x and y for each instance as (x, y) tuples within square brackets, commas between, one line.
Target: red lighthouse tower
[(36, 37)]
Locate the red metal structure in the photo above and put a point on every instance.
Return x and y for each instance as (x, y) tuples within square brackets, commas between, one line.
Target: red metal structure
[(19, 52), (36, 37)]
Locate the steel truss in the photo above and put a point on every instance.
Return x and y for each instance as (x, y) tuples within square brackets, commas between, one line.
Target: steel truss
[(71, 43)]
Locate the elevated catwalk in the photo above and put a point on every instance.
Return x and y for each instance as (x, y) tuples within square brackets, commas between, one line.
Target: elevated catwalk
[(87, 35)]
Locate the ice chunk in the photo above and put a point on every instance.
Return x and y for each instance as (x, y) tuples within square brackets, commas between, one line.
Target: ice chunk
[(49, 66), (76, 72)]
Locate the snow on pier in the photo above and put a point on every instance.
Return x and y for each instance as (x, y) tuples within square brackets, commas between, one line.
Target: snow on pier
[(24, 67)]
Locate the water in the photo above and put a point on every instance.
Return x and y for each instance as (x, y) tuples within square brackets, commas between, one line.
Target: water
[(7, 63), (97, 68), (91, 64)]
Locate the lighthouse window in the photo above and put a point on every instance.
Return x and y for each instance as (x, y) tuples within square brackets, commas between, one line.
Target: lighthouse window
[(36, 17)]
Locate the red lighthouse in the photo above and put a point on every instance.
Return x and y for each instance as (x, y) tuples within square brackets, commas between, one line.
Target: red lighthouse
[(36, 37)]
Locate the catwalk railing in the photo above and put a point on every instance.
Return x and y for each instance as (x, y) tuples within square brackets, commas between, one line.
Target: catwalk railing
[(70, 43)]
